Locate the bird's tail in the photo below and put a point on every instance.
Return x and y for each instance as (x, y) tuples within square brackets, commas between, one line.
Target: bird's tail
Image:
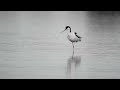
[(80, 40)]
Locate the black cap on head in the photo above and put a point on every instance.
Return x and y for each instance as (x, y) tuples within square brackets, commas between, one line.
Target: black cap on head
[(67, 27)]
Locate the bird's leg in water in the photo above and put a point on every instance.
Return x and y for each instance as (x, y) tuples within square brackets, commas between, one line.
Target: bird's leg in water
[(73, 50)]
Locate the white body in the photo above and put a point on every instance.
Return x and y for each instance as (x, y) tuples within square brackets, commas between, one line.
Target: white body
[(73, 38)]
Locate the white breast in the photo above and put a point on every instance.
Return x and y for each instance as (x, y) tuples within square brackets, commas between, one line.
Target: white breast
[(72, 37)]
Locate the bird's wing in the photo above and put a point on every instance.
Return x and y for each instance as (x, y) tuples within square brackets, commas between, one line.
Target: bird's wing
[(78, 36)]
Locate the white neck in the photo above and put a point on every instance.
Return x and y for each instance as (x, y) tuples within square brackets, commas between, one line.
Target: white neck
[(69, 29)]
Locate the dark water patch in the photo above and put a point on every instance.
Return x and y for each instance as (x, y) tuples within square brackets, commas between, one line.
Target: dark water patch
[(104, 13), (105, 17)]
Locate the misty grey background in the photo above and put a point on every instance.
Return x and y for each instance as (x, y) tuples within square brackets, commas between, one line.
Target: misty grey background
[(31, 45)]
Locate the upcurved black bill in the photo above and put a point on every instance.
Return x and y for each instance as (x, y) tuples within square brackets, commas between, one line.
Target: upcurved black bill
[(63, 31)]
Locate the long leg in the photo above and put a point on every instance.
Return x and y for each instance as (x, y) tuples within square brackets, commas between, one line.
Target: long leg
[(73, 49)]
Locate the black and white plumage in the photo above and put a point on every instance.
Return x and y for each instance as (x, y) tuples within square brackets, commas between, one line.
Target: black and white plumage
[(72, 36)]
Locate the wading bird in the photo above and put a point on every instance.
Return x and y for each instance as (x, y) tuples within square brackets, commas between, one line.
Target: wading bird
[(72, 36)]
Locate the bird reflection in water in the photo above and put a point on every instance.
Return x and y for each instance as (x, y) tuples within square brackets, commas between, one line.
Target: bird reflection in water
[(72, 64)]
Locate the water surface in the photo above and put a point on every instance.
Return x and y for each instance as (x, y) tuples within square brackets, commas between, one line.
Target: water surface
[(31, 45)]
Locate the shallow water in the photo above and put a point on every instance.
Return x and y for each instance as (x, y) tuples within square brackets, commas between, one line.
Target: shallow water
[(31, 45)]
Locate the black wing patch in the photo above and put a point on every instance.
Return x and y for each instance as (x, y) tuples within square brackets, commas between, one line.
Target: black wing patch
[(77, 35)]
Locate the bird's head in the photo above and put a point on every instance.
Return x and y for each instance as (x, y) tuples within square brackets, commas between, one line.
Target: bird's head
[(66, 28)]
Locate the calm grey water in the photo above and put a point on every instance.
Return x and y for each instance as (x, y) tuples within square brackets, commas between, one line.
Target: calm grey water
[(31, 45)]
